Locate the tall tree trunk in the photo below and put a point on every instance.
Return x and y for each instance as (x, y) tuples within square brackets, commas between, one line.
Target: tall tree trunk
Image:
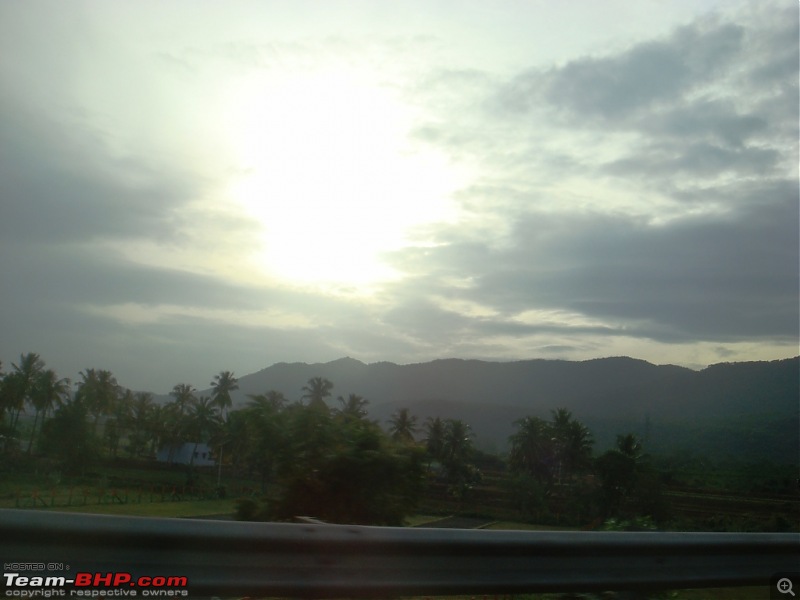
[(33, 432), (15, 421), (219, 467), (194, 451)]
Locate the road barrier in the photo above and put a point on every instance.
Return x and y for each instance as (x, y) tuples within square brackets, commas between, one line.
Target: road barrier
[(227, 558)]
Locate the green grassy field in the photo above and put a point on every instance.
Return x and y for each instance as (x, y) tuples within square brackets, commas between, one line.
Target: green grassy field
[(512, 525), (192, 508)]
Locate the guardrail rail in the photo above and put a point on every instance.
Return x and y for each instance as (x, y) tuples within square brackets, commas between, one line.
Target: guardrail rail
[(226, 558)]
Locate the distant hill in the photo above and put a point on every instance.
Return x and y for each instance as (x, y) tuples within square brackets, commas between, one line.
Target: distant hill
[(728, 409)]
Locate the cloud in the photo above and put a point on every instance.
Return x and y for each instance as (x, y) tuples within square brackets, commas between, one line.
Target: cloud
[(640, 194), (66, 183), (615, 88), (93, 309), (698, 160), (714, 278), (713, 97), (706, 119), (677, 217)]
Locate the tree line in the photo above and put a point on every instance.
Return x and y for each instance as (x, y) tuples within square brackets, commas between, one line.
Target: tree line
[(331, 463)]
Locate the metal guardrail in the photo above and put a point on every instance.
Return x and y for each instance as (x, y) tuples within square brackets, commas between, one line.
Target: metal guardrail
[(310, 560)]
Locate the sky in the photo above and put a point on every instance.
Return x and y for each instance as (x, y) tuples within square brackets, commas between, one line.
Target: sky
[(191, 187)]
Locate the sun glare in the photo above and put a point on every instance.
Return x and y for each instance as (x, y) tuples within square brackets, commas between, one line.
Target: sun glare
[(331, 177)]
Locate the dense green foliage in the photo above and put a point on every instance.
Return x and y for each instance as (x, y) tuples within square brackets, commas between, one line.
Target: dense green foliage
[(333, 465), (336, 466), (69, 438), (330, 462)]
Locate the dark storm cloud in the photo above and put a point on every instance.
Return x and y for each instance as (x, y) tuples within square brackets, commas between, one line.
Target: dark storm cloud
[(68, 280), (88, 276), (54, 299), (723, 279), (65, 183)]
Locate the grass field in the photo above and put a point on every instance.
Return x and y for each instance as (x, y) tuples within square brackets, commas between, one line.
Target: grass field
[(527, 527), (192, 508)]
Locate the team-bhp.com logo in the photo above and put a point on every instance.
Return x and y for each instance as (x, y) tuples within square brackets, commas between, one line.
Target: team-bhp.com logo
[(93, 585)]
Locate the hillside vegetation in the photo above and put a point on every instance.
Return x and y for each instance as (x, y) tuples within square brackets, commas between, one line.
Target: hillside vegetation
[(309, 452)]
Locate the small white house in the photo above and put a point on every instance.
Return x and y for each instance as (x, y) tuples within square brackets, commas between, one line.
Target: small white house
[(182, 455)]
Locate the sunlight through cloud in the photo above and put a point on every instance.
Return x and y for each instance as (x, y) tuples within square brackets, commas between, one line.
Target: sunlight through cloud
[(331, 177)]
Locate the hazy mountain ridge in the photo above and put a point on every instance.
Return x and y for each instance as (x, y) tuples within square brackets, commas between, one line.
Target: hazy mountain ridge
[(593, 386), (611, 395)]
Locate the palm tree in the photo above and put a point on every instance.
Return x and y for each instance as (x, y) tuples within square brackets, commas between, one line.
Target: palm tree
[(434, 437), (457, 441), (561, 418), (184, 396), (13, 399), (158, 427), (204, 418), (176, 426), (120, 421), (316, 391), (48, 391), (4, 396), (403, 426), (532, 448), (222, 386), (235, 435), (204, 422), (456, 458), (141, 413), (551, 451), (29, 368), (98, 392), (354, 407), (572, 442), (630, 446), (55, 390), (22, 384), (274, 400), (619, 471), (263, 425)]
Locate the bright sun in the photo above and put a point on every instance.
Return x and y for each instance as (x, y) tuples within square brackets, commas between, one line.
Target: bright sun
[(332, 177)]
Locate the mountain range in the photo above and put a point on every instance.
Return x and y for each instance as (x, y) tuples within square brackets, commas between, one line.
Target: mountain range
[(728, 410)]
